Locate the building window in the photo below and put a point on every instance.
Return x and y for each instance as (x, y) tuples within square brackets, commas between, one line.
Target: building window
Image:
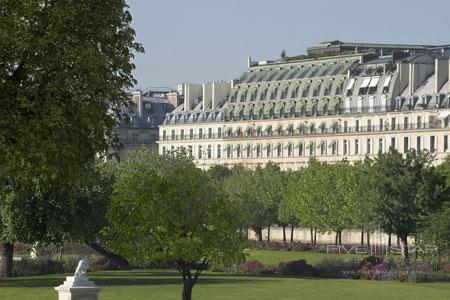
[(445, 143), (164, 136), (300, 149), (200, 133), (356, 147), (322, 148), (380, 145), (219, 132), (200, 152), (238, 151), (369, 146), (381, 124), (334, 148), (191, 134), (393, 143), (290, 149), (269, 150), (248, 151), (219, 151), (182, 134), (345, 126), (405, 123), (258, 150), (311, 129), (369, 125), (312, 146), (269, 130), (405, 144), (209, 152), (345, 147), (393, 123), (163, 150), (419, 122), (432, 143), (357, 125), (418, 143), (279, 152), (210, 134), (173, 135)]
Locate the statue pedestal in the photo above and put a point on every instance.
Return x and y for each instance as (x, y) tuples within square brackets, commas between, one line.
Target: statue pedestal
[(77, 289)]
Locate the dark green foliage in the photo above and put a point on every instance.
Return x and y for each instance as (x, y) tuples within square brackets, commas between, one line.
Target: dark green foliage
[(165, 209), (64, 69)]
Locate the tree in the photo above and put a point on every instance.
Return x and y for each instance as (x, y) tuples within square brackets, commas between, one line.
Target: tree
[(403, 188), (286, 208), (165, 209), (268, 184), (239, 187), (64, 68)]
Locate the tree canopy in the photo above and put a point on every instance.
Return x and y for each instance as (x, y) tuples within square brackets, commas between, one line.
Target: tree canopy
[(165, 209)]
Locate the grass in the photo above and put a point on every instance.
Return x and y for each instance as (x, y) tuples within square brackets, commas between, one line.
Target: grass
[(165, 285), (273, 257)]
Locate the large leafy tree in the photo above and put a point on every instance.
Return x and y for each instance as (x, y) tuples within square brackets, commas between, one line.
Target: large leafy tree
[(165, 209), (268, 185), (404, 188), (64, 66)]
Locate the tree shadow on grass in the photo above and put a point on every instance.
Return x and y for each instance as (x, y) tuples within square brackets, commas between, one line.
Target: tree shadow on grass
[(124, 278)]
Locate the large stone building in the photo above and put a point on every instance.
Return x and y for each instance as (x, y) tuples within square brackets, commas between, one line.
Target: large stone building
[(141, 119), (341, 100)]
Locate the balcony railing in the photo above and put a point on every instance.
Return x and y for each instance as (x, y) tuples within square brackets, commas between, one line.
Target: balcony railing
[(305, 131)]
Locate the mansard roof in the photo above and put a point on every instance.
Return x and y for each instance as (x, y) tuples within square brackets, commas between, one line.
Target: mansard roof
[(340, 84)]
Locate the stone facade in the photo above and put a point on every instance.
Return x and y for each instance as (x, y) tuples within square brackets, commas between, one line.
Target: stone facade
[(347, 105)]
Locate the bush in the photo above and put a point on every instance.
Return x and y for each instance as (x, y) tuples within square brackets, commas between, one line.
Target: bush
[(104, 263), (338, 268), (296, 267), (33, 267), (252, 267)]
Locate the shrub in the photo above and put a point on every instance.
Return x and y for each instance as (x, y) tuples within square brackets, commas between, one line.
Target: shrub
[(424, 267), (104, 263), (446, 267), (338, 268), (296, 267), (33, 267), (252, 267)]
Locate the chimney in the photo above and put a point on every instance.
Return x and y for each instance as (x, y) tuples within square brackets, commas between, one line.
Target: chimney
[(418, 73), (207, 94), (441, 70), (137, 98)]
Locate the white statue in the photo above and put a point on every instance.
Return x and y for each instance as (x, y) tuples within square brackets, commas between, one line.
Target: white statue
[(81, 268)]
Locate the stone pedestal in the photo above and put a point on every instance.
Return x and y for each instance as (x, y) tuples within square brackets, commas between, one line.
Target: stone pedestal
[(77, 289)]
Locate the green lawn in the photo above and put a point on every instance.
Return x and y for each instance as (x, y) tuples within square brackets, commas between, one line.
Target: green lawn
[(165, 285), (273, 257)]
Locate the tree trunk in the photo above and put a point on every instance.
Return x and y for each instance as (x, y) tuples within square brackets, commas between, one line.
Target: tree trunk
[(362, 236), (340, 238), (284, 235), (404, 241), (292, 234), (315, 236), (368, 240), (389, 240), (122, 262), (258, 232), (7, 259), (60, 252), (312, 237), (187, 289), (336, 238), (268, 234)]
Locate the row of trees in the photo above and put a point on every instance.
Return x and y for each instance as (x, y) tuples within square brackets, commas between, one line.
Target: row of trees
[(399, 194)]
